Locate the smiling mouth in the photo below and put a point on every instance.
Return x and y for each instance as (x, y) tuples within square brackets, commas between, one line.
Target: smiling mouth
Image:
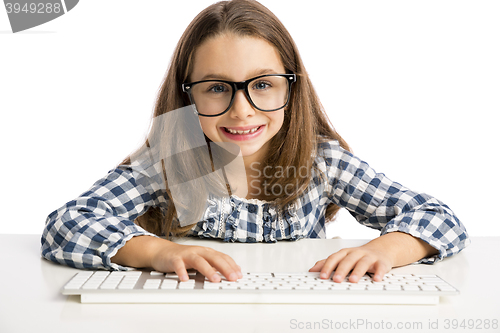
[(250, 131)]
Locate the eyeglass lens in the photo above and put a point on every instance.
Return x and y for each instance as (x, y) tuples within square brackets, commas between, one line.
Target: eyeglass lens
[(214, 97)]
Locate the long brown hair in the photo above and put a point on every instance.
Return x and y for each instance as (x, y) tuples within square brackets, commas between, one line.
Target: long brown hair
[(305, 121)]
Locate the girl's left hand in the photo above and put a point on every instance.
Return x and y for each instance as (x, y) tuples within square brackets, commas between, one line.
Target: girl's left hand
[(359, 260)]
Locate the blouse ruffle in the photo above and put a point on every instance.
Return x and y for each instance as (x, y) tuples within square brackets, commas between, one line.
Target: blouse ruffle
[(237, 219)]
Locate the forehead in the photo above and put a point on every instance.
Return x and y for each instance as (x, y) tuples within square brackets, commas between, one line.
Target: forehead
[(235, 58)]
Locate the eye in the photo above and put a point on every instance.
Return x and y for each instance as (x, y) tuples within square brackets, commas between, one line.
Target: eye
[(218, 88), (262, 85)]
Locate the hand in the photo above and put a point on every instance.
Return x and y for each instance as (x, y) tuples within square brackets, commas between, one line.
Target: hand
[(178, 258), (359, 260)]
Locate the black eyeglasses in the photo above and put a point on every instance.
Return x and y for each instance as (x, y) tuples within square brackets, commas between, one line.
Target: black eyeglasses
[(266, 93)]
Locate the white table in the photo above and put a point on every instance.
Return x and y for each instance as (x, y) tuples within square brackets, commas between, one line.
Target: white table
[(30, 298)]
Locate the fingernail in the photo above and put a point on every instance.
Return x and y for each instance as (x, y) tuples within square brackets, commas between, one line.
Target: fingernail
[(232, 276), (337, 277), (240, 275), (323, 275), (215, 277), (354, 277), (184, 277)]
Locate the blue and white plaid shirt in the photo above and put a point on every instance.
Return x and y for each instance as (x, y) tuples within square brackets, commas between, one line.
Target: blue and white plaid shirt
[(88, 231)]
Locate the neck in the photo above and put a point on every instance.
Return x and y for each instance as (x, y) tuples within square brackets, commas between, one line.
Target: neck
[(253, 163)]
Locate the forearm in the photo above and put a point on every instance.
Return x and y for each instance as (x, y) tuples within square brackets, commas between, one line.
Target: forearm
[(138, 251), (402, 248), (166, 256)]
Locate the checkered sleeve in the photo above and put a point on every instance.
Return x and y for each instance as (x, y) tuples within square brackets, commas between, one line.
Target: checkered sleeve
[(377, 202), (88, 231)]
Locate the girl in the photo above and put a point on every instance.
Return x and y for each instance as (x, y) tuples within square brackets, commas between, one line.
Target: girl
[(240, 69)]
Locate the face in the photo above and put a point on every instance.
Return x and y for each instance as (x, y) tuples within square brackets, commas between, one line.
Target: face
[(234, 58)]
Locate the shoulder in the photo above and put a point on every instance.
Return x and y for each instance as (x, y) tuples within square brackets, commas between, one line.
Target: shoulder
[(330, 152), (335, 162)]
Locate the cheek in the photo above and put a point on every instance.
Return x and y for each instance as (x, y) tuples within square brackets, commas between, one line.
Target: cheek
[(209, 127), (277, 121)]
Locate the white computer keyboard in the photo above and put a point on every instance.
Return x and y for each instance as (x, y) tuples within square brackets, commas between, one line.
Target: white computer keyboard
[(156, 287)]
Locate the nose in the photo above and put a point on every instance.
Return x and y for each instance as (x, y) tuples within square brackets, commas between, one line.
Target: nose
[(241, 107)]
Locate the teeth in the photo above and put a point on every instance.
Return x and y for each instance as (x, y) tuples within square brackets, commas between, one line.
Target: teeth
[(242, 132)]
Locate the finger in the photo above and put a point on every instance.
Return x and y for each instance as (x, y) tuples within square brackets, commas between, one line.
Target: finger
[(233, 264), (346, 265), (331, 263), (380, 269), (204, 267), (180, 269), (227, 268), (317, 266), (361, 268), (239, 270)]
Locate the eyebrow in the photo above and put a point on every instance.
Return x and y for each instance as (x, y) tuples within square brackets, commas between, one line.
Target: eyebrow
[(252, 74)]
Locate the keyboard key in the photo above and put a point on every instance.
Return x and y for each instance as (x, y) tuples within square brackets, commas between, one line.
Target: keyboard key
[(431, 280), (410, 287), (302, 287), (357, 287), (428, 288), (321, 287), (152, 284), (375, 287), (87, 286), (229, 287), (248, 287), (126, 286), (425, 275), (211, 285), (265, 275), (339, 286), (284, 287), (71, 285), (173, 275), (366, 282), (266, 287), (169, 284), (187, 284), (446, 288), (413, 283), (108, 286), (80, 278), (170, 281), (392, 287)]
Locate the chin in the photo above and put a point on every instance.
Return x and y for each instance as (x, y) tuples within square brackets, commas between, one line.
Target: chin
[(247, 151)]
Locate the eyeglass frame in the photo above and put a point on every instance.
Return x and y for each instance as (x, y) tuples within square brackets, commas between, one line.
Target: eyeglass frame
[(242, 85)]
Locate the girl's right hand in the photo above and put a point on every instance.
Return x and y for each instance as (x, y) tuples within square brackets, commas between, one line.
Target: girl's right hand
[(173, 257)]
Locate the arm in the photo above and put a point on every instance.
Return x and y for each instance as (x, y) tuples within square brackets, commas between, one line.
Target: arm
[(378, 256), (166, 256), (97, 231), (403, 248), (414, 226), (87, 232)]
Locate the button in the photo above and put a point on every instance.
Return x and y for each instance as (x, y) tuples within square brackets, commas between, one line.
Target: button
[(169, 284)]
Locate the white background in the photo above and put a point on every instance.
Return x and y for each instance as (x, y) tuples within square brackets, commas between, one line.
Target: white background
[(413, 86)]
